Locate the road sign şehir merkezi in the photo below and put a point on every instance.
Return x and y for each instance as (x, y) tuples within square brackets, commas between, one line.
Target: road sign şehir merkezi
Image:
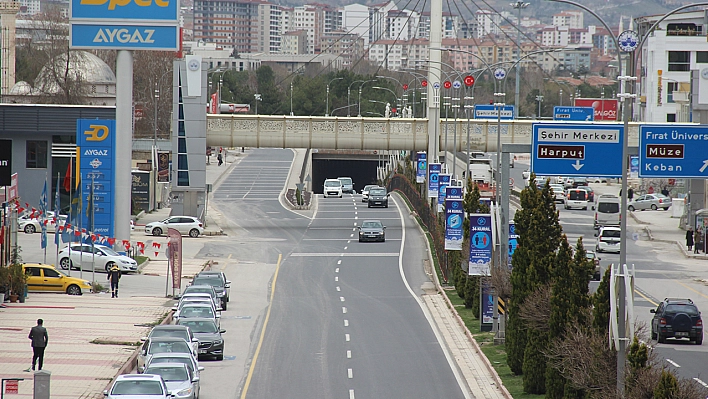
[(489, 111), (577, 150), (578, 114), (676, 151)]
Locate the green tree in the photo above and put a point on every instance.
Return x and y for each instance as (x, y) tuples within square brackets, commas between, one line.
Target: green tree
[(601, 305), (534, 366), (668, 386), (638, 355), (272, 96)]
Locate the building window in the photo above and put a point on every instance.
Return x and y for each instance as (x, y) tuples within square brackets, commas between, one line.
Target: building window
[(679, 61), (36, 154), (671, 117), (671, 87), (702, 57)]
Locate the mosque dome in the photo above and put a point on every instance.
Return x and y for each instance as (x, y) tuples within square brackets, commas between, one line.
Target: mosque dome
[(84, 66)]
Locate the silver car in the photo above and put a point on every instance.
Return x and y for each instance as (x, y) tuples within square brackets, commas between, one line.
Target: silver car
[(138, 386), (162, 345), (188, 310), (97, 257), (179, 379), (650, 201)]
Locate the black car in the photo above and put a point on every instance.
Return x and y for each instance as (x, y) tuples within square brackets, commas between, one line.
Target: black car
[(372, 230), (211, 343), (222, 276), (579, 181), (591, 192), (378, 197), (219, 286), (677, 318)]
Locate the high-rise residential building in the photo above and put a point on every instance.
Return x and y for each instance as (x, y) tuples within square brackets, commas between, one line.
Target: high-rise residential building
[(348, 46), (354, 19), (488, 23), (269, 25), (230, 23), (402, 24), (378, 20), (571, 19), (294, 42)]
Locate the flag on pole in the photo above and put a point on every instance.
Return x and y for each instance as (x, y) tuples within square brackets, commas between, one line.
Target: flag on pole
[(43, 214), (57, 220), (67, 177)]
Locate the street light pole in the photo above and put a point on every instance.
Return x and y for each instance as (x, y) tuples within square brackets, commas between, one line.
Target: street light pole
[(340, 78), (360, 88), (539, 99), (519, 5), (291, 98)]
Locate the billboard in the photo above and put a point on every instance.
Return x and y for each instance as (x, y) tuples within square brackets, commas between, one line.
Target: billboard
[(605, 108), (5, 162), (421, 162), (454, 215), (95, 146), (480, 261), (433, 176)]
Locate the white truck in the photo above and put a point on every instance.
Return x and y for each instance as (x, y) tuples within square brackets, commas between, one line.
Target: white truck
[(482, 173)]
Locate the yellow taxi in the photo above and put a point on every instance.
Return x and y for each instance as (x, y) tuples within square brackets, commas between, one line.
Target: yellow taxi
[(46, 278)]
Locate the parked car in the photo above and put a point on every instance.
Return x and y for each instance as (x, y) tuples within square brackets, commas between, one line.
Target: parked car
[(32, 225), (596, 261), (211, 343), (332, 188), (202, 299), (372, 230), (46, 278), (608, 239), (186, 225), (184, 358), (162, 345), (190, 310), (221, 287), (347, 184), (378, 197), (96, 257), (365, 192), (170, 330), (138, 386), (226, 284), (203, 291), (180, 381), (650, 201), (677, 318)]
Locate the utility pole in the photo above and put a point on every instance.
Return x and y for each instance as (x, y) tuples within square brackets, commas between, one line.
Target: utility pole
[(519, 5)]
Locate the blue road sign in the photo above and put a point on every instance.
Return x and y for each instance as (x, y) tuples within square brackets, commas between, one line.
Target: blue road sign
[(489, 111), (124, 37), (577, 150), (125, 10), (675, 151), (573, 113)]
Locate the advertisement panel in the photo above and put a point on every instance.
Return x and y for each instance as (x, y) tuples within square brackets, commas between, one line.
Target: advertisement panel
[(454, 215), (453, 192), (480, 244), (433, 176), (634, 167), (163, 166), (513, 241), (487, 306), (5, 162), (95, 146), (443, 182), (605, 108), (421, 162), (123, 37), (10, 190), (174, 248), (140, 191)]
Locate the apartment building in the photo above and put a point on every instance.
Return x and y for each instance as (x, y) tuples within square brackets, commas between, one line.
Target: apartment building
[(348, 46), (294, 42), (354, 19), (270, 18), (571, 19), (230, 23), (488, 23)]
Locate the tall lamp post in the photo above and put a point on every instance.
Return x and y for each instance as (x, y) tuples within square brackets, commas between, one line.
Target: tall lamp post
[(291, 98), (349, 93), (360, 87), (519, 5), (340, 78), (539, 99), (258, 98)]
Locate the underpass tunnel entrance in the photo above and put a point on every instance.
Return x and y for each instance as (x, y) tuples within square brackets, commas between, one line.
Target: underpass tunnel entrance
[(361, 168)]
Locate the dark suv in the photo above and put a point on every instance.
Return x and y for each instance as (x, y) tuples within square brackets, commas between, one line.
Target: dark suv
[(677, 318), (378, 197)]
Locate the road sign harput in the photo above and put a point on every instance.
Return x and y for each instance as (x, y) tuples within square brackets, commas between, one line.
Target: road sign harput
[(673, 151), (577, 150)]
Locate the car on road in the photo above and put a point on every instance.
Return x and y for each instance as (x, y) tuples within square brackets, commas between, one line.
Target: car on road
[(592, 256), (608, 239), (607, 211), (365, 192), (180, 381), (221, 287), (677, 318), (526, 174), (576, 198), (211, 343), (46, 278), (378, 197), (96, 257), (32, 225), (138, 386), (650, 201), (591, 192), (225, 283), (184, 358), (347, 184), (372, 230), (171, 330), (579, 181), (332, 188), (186, 225), (190, 310), (558, 192), (162, 345)]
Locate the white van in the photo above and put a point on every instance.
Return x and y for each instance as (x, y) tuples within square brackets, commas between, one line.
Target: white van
[(576, 198), (607, 211)]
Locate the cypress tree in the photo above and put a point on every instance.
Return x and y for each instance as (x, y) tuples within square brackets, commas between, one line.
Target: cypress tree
[(534, 367), (601, 305), (667, 387)]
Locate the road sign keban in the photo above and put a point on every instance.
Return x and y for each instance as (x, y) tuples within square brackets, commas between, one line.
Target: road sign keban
[(456, 84), (676, 151), (436, 85), (577, 150), (573, 113)]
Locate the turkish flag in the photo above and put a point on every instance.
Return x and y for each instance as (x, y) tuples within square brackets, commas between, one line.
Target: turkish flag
[(67, 178)]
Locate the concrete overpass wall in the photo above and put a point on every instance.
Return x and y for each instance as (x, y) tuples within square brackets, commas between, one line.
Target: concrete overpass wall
[(356, 133)]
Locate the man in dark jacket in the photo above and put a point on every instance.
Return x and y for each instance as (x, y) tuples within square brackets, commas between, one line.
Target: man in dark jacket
[(114, 277), (38, 335)]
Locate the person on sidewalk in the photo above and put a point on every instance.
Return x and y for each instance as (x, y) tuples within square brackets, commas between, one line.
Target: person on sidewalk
[(665, 191), (630, 193), (220, 159), (697, 241), (114, 278), (689, 238), (39, 337)]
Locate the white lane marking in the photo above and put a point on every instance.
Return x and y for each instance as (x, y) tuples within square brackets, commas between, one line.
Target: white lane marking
[(337, 269), (338, 289), (345, 248), (700, 382), (336, 279), (349, 241), (351, 394), (453, 365), (346, 323), (347, 337), (339, 262), (341, 299), (356, 217), (673, 363), (350, 373), (349, 354), (344, 309), (343, 255), (356, 213)]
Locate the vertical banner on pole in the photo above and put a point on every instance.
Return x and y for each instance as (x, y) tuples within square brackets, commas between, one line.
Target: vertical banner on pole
[(454, 215), (433, 176), (443, 182), (175, 245), (513, 241), (421, 166), (487, 303), (480, 244)]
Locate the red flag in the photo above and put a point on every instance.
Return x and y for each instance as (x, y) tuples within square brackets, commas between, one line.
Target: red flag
[(67, 178)]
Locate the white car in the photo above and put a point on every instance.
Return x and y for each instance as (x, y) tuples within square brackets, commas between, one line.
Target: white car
[(32, 225), (332, 188), (138, 386), (186, 225), (365, 192), (558, 192), (608, 239), (100, 257)]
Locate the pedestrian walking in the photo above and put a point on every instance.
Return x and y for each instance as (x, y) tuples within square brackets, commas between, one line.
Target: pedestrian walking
[(39, 337), (697, 241), (630, 193), (114, 278), (220, 159), (689, 238), (665, 191)]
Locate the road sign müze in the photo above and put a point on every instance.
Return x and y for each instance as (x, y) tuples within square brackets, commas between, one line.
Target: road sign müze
[(577, 150), (489, 111), (673, 151), (573, 113)]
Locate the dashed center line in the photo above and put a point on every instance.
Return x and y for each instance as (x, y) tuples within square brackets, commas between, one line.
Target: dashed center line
[(344, 309), (351, 394), (341, 299), (349, 354), (336, 270), (673, 363), (338, 289), (350, 373), (336, 278), (346, 323), (347, 337), (345, 248), (695, 379), (339, 262)]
